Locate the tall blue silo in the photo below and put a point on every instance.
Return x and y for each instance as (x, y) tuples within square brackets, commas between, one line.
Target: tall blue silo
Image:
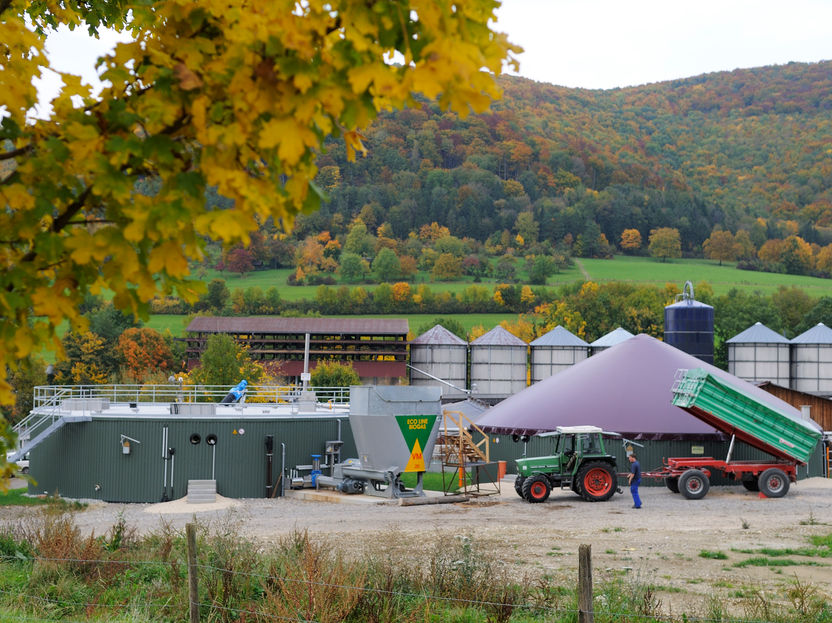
[(689, 325)]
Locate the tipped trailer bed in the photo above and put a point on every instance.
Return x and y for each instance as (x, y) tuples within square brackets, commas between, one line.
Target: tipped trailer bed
[(790, 440)]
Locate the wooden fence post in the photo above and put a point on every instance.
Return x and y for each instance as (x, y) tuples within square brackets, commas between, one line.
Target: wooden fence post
[(585, 613), (193, 585)]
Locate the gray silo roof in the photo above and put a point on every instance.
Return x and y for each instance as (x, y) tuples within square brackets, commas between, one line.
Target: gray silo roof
[(439, 335), (626, 389), (688, 303), (559, 336), (758, 333), (612, 338), (498, 337), (819, 334)]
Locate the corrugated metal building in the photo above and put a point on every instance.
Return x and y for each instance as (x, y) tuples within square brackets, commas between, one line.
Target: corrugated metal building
[(442, 354), (556, 351), (142, 451), (376, 347), (759, 354), (498, 365), (812, 361), (820, 408)]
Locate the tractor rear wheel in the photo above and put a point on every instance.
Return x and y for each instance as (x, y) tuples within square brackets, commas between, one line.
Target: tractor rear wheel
[(672, 483), (694, 484), (596, 481), (536, 488), (518, 484), (774, 483)]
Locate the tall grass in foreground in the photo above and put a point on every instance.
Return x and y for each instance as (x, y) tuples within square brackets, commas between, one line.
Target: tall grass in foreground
[(51, 571)]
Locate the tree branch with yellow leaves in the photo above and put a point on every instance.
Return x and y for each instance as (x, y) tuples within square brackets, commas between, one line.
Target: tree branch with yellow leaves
[(203, 90)]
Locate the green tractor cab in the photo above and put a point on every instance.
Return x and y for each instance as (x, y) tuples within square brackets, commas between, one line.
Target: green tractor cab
[(580, 462)]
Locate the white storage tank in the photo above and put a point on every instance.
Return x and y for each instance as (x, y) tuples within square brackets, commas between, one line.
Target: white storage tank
[(556, 351), (441, 354), (759, 354), (610, 339), (498, 364), (812, 361)]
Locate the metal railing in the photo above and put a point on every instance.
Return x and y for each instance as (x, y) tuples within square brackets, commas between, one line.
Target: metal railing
[(48, 397), (44, 414)]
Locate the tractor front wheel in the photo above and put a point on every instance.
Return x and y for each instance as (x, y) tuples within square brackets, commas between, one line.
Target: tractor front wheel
[(518, 484), (774, 483), (536, 489), (694, 484), (596, 481)]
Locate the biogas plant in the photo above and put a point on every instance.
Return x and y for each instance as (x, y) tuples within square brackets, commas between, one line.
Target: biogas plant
[(122, 443), (469, 411)]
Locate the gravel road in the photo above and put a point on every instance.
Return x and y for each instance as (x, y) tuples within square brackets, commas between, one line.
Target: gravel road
[(660, 543)]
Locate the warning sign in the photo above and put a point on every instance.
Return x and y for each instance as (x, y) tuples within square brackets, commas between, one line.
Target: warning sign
[(416, 430)]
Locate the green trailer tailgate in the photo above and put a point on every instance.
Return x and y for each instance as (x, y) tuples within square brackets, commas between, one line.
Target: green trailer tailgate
[(729, 409)]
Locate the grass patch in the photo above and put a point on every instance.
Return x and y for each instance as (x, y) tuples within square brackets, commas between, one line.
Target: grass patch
[(822, 549), (713, 555), (765, 561), (433, 481), (18, 497)]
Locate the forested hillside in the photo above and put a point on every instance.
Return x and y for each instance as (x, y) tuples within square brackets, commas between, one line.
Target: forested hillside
[(746, 150)]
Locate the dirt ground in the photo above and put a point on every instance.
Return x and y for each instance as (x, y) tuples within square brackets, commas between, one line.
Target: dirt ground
[(659, 544)]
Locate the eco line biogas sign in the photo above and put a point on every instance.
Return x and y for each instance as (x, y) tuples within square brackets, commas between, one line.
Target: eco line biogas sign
[(416, 431)]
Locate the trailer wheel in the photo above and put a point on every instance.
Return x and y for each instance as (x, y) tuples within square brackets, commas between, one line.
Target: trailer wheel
[(752, 484), (596, 481), (518, 485), (536, 489), (774, 483), (672, 483), (693, 484)]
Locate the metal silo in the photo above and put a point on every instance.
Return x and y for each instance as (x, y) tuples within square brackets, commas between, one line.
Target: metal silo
[(610, 339), (498, 364), (556, 351), (689, 325), (812, 361), (759, 354), (441, 354)]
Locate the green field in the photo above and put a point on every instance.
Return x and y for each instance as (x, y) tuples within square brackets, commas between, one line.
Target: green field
[(721, 278), (643, 270), (177, 324), (640, 270)]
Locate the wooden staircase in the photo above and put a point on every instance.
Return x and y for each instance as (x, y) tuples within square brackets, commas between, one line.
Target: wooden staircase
[(466, 459)]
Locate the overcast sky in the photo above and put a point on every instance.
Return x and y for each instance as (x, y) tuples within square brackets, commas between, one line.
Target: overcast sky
[(602, 44)]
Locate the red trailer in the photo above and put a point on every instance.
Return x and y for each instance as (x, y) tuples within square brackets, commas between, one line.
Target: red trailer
[(789, 439)]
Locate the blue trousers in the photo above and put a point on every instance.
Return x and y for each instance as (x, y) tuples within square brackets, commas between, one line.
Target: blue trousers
[(634, 491)]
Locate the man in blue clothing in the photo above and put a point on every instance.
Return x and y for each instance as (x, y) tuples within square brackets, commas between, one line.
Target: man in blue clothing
[(634, 477)]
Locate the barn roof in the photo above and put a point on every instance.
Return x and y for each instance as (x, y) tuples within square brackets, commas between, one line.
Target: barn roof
[(279, 324), (758, 333), (612, 338), (819, 334), (559, 336), (498, 336), (626, 389), (439, 335)]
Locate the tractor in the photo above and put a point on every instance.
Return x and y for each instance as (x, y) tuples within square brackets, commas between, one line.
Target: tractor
[(580, 462)]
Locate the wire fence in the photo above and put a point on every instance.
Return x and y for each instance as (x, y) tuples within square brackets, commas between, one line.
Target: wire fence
[(156, 610)]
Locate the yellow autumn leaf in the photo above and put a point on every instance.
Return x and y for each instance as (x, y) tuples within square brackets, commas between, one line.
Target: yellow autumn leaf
[(168, 257)]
